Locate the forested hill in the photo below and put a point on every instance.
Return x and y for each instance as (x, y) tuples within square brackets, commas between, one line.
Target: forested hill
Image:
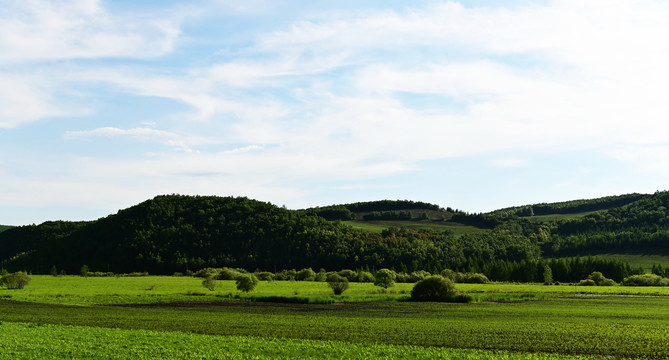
[(176, 233), (387, 209), (570, 207), (179, 233)]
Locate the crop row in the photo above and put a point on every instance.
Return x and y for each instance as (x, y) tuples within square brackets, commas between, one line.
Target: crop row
[(607, 326), (36, 341)]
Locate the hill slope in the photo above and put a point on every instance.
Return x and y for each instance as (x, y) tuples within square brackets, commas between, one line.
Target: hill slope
[(175, 233)]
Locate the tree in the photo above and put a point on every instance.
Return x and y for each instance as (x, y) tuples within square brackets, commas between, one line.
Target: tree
[(17, 280), (84, 270), (385, 278), (434, 288), (548, 275), (209, 282), (246, 282), (338, 283)]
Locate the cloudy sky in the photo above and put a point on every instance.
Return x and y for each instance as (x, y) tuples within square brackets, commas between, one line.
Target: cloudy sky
[(476, 105)]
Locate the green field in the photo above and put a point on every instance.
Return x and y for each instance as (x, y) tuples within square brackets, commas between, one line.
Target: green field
[(378, 226), (176, 317)]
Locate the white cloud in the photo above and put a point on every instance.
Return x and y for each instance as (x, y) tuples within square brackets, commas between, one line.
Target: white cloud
[(36, 30)]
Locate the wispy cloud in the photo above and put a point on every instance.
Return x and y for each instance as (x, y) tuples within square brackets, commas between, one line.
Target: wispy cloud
[(341, 95)]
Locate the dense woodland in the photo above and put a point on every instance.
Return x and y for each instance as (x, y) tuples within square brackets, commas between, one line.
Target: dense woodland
[(179, 233)]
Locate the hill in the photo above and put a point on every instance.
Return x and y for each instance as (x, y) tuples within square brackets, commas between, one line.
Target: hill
[(179, 233)]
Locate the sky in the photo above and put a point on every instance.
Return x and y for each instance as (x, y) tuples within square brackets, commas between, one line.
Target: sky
[(475, 105)]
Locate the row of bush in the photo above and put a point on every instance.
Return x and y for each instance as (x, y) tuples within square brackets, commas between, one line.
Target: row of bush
[(597, 279), (309, 274)]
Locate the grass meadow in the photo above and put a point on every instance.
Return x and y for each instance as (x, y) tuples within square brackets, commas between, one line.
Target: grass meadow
[(69, 317)]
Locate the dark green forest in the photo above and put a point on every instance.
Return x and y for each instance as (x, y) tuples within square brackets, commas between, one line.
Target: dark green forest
[(175, 233)]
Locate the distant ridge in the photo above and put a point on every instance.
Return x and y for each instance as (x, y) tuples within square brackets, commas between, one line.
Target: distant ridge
[(172, 233)]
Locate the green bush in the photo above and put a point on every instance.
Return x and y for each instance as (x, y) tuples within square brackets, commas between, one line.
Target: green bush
[(207, 272), (437, 288), (365, 277), (265, 275), (350, 275), (598, 279), (385, 278), (587, 282), (228, 274), (646, 280), (418, 276), (472, 278), (210, 283), (286, 275), (305, 275), (322, 275), (338, 283), (17, 280), (246, 282)]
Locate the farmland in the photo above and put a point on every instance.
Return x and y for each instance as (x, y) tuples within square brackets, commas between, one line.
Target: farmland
[(148, 316)]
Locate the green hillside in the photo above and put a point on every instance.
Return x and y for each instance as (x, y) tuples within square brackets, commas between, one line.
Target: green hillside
[(181, 233), (4, 227), (177, 233)]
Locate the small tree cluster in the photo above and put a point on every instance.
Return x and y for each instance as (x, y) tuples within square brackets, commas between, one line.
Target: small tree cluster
[(246, 282), (597, 279), (338, 283), (437, 288), (465, 278), (210, 283), (385, 278), (646, 280), (17, 280)]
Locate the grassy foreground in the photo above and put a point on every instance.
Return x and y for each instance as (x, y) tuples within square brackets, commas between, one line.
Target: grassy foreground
[(31, 341), (74, 317)]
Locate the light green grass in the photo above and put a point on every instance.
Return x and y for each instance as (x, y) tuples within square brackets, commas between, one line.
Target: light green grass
[(378, 226), (76, 290), (32, 341), (616, 326)]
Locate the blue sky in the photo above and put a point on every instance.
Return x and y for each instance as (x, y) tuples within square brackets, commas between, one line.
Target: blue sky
[(476, 105)]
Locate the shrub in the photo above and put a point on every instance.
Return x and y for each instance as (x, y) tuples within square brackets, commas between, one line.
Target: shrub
[(209, 282), (305, 275), (449, 274), (472, 278), (418, 276), (587, 282), (433, 288), (228, 274), (350, 275), (321, 275), (365, 276), (598, 279), (385, 278), (338, 283), (246, 282), (17, 280), (207, 272), (84, 270), (437, 288), (286, 275), (265, 275), (645, 280)]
